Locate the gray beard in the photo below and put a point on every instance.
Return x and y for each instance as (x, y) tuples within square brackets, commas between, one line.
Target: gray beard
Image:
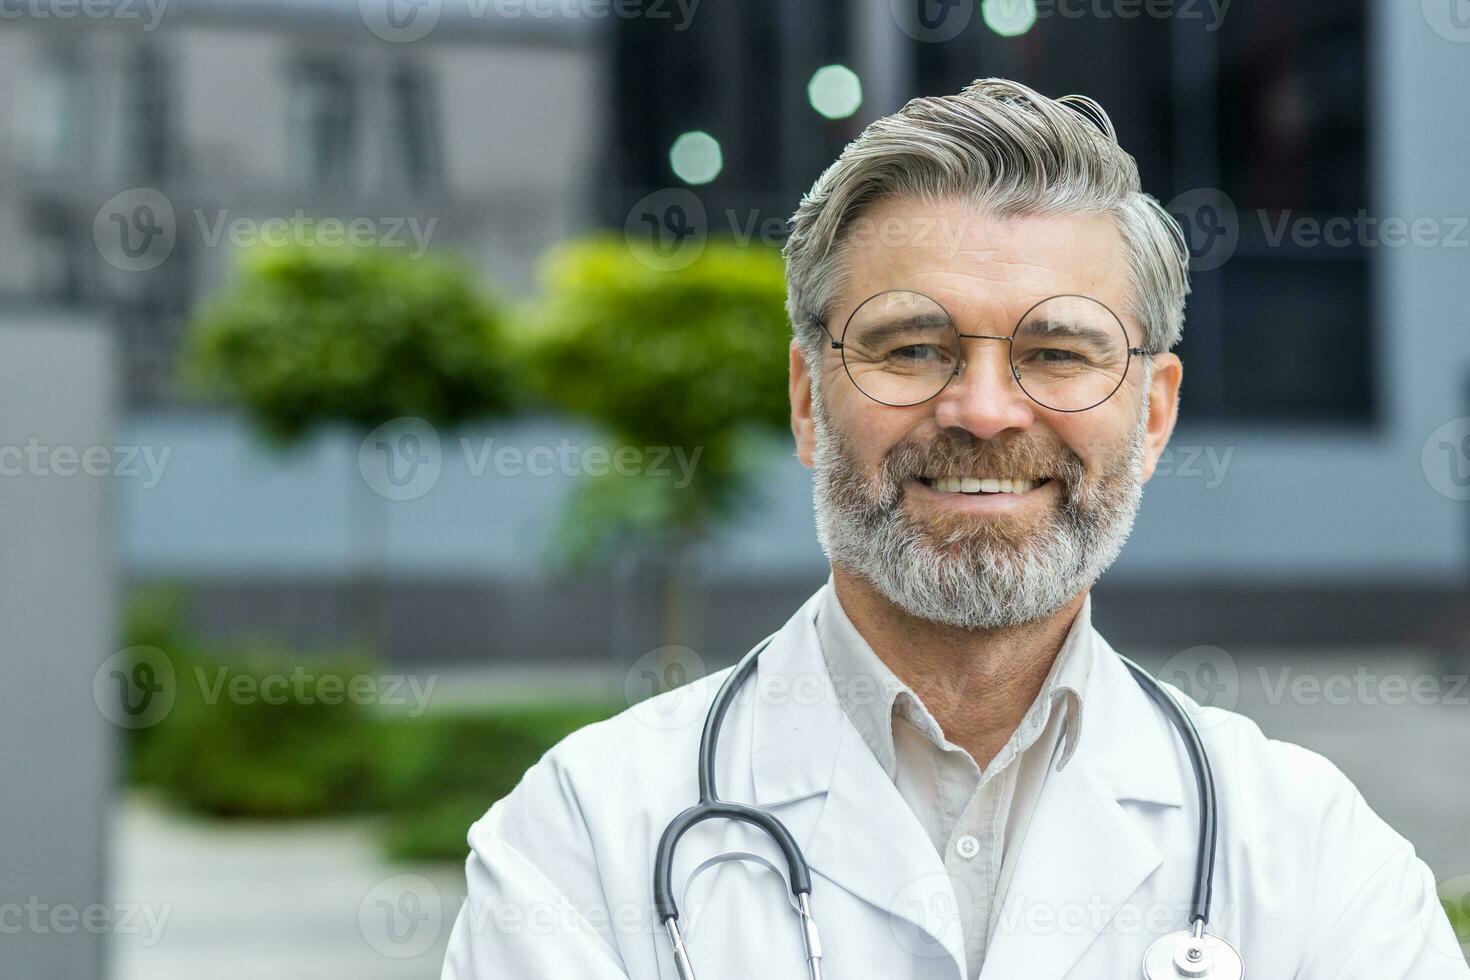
[(972, 575)]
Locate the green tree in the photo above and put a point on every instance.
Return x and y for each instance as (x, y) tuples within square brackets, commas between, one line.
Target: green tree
[(692, 360), (311, 334)]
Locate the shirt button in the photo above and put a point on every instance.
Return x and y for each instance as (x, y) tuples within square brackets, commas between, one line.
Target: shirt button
[(968, 846)]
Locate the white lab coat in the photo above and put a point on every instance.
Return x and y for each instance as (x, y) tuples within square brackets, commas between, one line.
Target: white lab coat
[(1309, 882)]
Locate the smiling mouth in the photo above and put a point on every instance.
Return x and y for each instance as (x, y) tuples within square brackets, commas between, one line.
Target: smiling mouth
[(981, 485)]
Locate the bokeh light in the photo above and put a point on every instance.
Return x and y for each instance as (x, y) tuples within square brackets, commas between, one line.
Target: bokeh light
[(696, 158), (835, 91), (1009, 18)]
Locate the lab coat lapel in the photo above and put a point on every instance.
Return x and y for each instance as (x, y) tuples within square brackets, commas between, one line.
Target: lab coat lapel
[(1085, 854), (862, 835)]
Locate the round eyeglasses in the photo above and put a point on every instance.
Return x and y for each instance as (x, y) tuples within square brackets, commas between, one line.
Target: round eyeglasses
[(1068, 353)]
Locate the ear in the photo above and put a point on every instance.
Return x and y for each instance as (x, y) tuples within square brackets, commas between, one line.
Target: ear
[(1163, 409), (802, 426)]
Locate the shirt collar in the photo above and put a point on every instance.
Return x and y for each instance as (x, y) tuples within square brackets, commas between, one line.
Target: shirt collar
[(871, 694)]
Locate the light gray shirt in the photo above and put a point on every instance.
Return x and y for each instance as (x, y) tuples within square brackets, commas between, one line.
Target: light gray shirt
[(976, 819)]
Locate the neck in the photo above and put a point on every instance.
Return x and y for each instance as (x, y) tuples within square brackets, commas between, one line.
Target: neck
[(977, 684)]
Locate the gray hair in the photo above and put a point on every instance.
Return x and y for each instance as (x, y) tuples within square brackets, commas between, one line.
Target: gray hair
[(1011, 151)]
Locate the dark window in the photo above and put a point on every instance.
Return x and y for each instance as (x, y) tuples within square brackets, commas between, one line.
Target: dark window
[(738, 72), (324, 118), (58, 117), (416, 152), (148, 137), (59, 253), (1287, 320), (1266, 107)]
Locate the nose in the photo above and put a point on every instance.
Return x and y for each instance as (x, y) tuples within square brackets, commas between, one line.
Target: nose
[(984, 399)]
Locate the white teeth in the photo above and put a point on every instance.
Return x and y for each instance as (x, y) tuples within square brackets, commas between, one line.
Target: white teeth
[(975, 484)]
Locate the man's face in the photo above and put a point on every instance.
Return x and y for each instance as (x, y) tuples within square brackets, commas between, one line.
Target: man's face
[(980, 560)]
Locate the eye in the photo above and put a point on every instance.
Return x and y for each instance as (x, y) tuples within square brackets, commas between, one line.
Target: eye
[(1057, 355), (918, 354)]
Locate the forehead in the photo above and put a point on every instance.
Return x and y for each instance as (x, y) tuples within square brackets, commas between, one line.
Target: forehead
[(982, 268)]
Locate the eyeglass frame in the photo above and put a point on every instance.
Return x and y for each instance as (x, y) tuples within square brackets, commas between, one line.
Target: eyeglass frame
[(840, 345)]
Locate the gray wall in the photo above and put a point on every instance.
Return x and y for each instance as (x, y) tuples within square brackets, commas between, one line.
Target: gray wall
[(56, 604)]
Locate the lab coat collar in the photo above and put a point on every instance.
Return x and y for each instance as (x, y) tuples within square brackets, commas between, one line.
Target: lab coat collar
[(1082, 848)]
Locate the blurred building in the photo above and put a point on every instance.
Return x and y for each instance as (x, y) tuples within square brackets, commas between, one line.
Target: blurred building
[(1313, 494), (478, 134)]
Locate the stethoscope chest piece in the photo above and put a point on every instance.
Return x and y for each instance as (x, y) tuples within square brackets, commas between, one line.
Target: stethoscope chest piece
[(1192, 955)]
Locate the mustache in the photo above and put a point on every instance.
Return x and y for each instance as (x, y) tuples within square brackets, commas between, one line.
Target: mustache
[(961, 454)]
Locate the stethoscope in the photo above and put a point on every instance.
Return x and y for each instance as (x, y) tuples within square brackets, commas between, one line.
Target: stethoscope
[(1190, 953)]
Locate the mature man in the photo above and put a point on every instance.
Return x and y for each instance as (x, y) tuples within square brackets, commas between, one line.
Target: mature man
[(984, 304)]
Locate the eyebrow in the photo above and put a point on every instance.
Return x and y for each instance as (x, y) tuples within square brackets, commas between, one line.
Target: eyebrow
[(1066, 329), (904, 324)]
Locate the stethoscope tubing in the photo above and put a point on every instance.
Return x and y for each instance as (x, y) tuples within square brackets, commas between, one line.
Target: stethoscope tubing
[(710, 807)]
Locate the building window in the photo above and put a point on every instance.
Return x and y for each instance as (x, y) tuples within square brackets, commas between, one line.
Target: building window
[(415, 151), (324, 123), (1265, 110), (148, 150), (56, 120), (58, 254)]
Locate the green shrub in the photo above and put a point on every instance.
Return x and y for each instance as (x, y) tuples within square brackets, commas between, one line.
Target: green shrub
[(231, 746), (440, 774), (226, 750)]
